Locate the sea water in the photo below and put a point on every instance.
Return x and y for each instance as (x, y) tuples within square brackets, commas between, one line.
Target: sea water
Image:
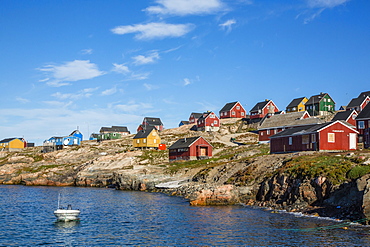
[(120, 218)]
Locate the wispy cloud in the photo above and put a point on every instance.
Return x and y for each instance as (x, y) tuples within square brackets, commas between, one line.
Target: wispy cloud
[(110, 91), (185, 7), (120, 68), (150, 87), (85, 93), (22, 100), (227, 25), (316, 7), (154, 30), (134, 107), (87, 51), (61, 75), (188, 81), (325, 3), (151, 58)]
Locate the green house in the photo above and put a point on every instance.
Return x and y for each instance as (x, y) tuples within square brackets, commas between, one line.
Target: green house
[(109, 136), (320, 105)]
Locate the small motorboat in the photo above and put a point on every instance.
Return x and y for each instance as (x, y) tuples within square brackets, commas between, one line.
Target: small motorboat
[(68, 214)]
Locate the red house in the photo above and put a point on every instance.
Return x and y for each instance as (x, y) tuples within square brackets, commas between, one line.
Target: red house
[(359, 103), (151, 122), (208, 122), (277, 123), (192, 148), (363, 121), (348, 116), (331, 136), (232, 110), (263, 108), (194, 116)]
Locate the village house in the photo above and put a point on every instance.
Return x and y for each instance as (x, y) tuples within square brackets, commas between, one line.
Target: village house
[(359, 103), (190, 148), (297, 105), (348, 116), (12, 144), (330, 136), (363, 122), (277, 123), (208, 122), (232, 110), (320, 105), (146, 138), (151, 122), (261, 109), (59, 142), (183, 123), (122, 130), (194, 116)]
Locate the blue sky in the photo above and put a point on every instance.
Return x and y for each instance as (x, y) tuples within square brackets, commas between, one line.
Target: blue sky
[(101, 63)]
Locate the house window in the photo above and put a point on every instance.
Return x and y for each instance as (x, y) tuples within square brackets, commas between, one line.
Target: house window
[(144, 140), (361, 125), (137, 141), (212, 116), (233, 112), (313, 138), (216, 122), (268, 132), (290, 140), (242, 113), (354, 116), (328, 100), (331, 137), (238, 107), (305, 139), (155, 140), (275, 131)]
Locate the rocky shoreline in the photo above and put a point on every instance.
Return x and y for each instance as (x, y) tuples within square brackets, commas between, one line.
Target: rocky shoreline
[(244, 174)]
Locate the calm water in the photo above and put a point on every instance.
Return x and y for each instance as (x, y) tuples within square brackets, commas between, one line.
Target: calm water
[(118, 218)]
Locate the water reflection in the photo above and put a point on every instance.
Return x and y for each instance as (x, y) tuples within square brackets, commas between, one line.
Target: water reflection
[(63, 225)]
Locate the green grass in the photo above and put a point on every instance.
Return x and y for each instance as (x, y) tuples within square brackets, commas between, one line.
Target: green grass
[(331, 166), (358, 171)]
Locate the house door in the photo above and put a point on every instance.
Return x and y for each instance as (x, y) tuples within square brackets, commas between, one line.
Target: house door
[(352, 141), (203, 151)]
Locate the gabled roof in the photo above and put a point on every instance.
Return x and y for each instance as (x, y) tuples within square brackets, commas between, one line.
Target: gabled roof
[(342, 115), (260, 105), (356, 102), (9, 140), (364, 94), (196, 114), (145, 132), (120, 129), (309, 129), (229, 106), (153, 121), (288, 119), (184, 122), (317, 98), (295, 102), (185, 142), (365, 113)]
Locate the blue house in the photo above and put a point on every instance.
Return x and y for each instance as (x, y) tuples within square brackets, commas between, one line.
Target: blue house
[(58, 142)]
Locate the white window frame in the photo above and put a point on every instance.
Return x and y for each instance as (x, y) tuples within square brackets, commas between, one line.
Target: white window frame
[(361, 125), (331, 137)]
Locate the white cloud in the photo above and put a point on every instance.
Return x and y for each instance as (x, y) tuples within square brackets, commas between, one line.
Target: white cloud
[(120, 68), (150, 86), (85, 93), (138, 76), (22, 100), (71, 71), (109, 91), (151, 58), (227, 25), (185, 7), (325, 3), (188, 81), (87, 51), (154, 30)]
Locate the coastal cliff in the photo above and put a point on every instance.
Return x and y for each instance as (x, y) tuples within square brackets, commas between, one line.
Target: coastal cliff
[(326, 184)]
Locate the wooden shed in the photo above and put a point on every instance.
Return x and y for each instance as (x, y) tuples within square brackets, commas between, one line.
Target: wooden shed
[(191, 148)]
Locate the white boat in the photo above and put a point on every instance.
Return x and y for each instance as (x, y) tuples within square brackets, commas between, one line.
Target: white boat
[(68, 214)]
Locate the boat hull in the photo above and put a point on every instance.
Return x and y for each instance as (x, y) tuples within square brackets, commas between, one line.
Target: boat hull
[(66, 215)]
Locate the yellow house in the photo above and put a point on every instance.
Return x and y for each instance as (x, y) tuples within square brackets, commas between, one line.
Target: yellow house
[(146, 138), (11, 144), (297, 105)]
